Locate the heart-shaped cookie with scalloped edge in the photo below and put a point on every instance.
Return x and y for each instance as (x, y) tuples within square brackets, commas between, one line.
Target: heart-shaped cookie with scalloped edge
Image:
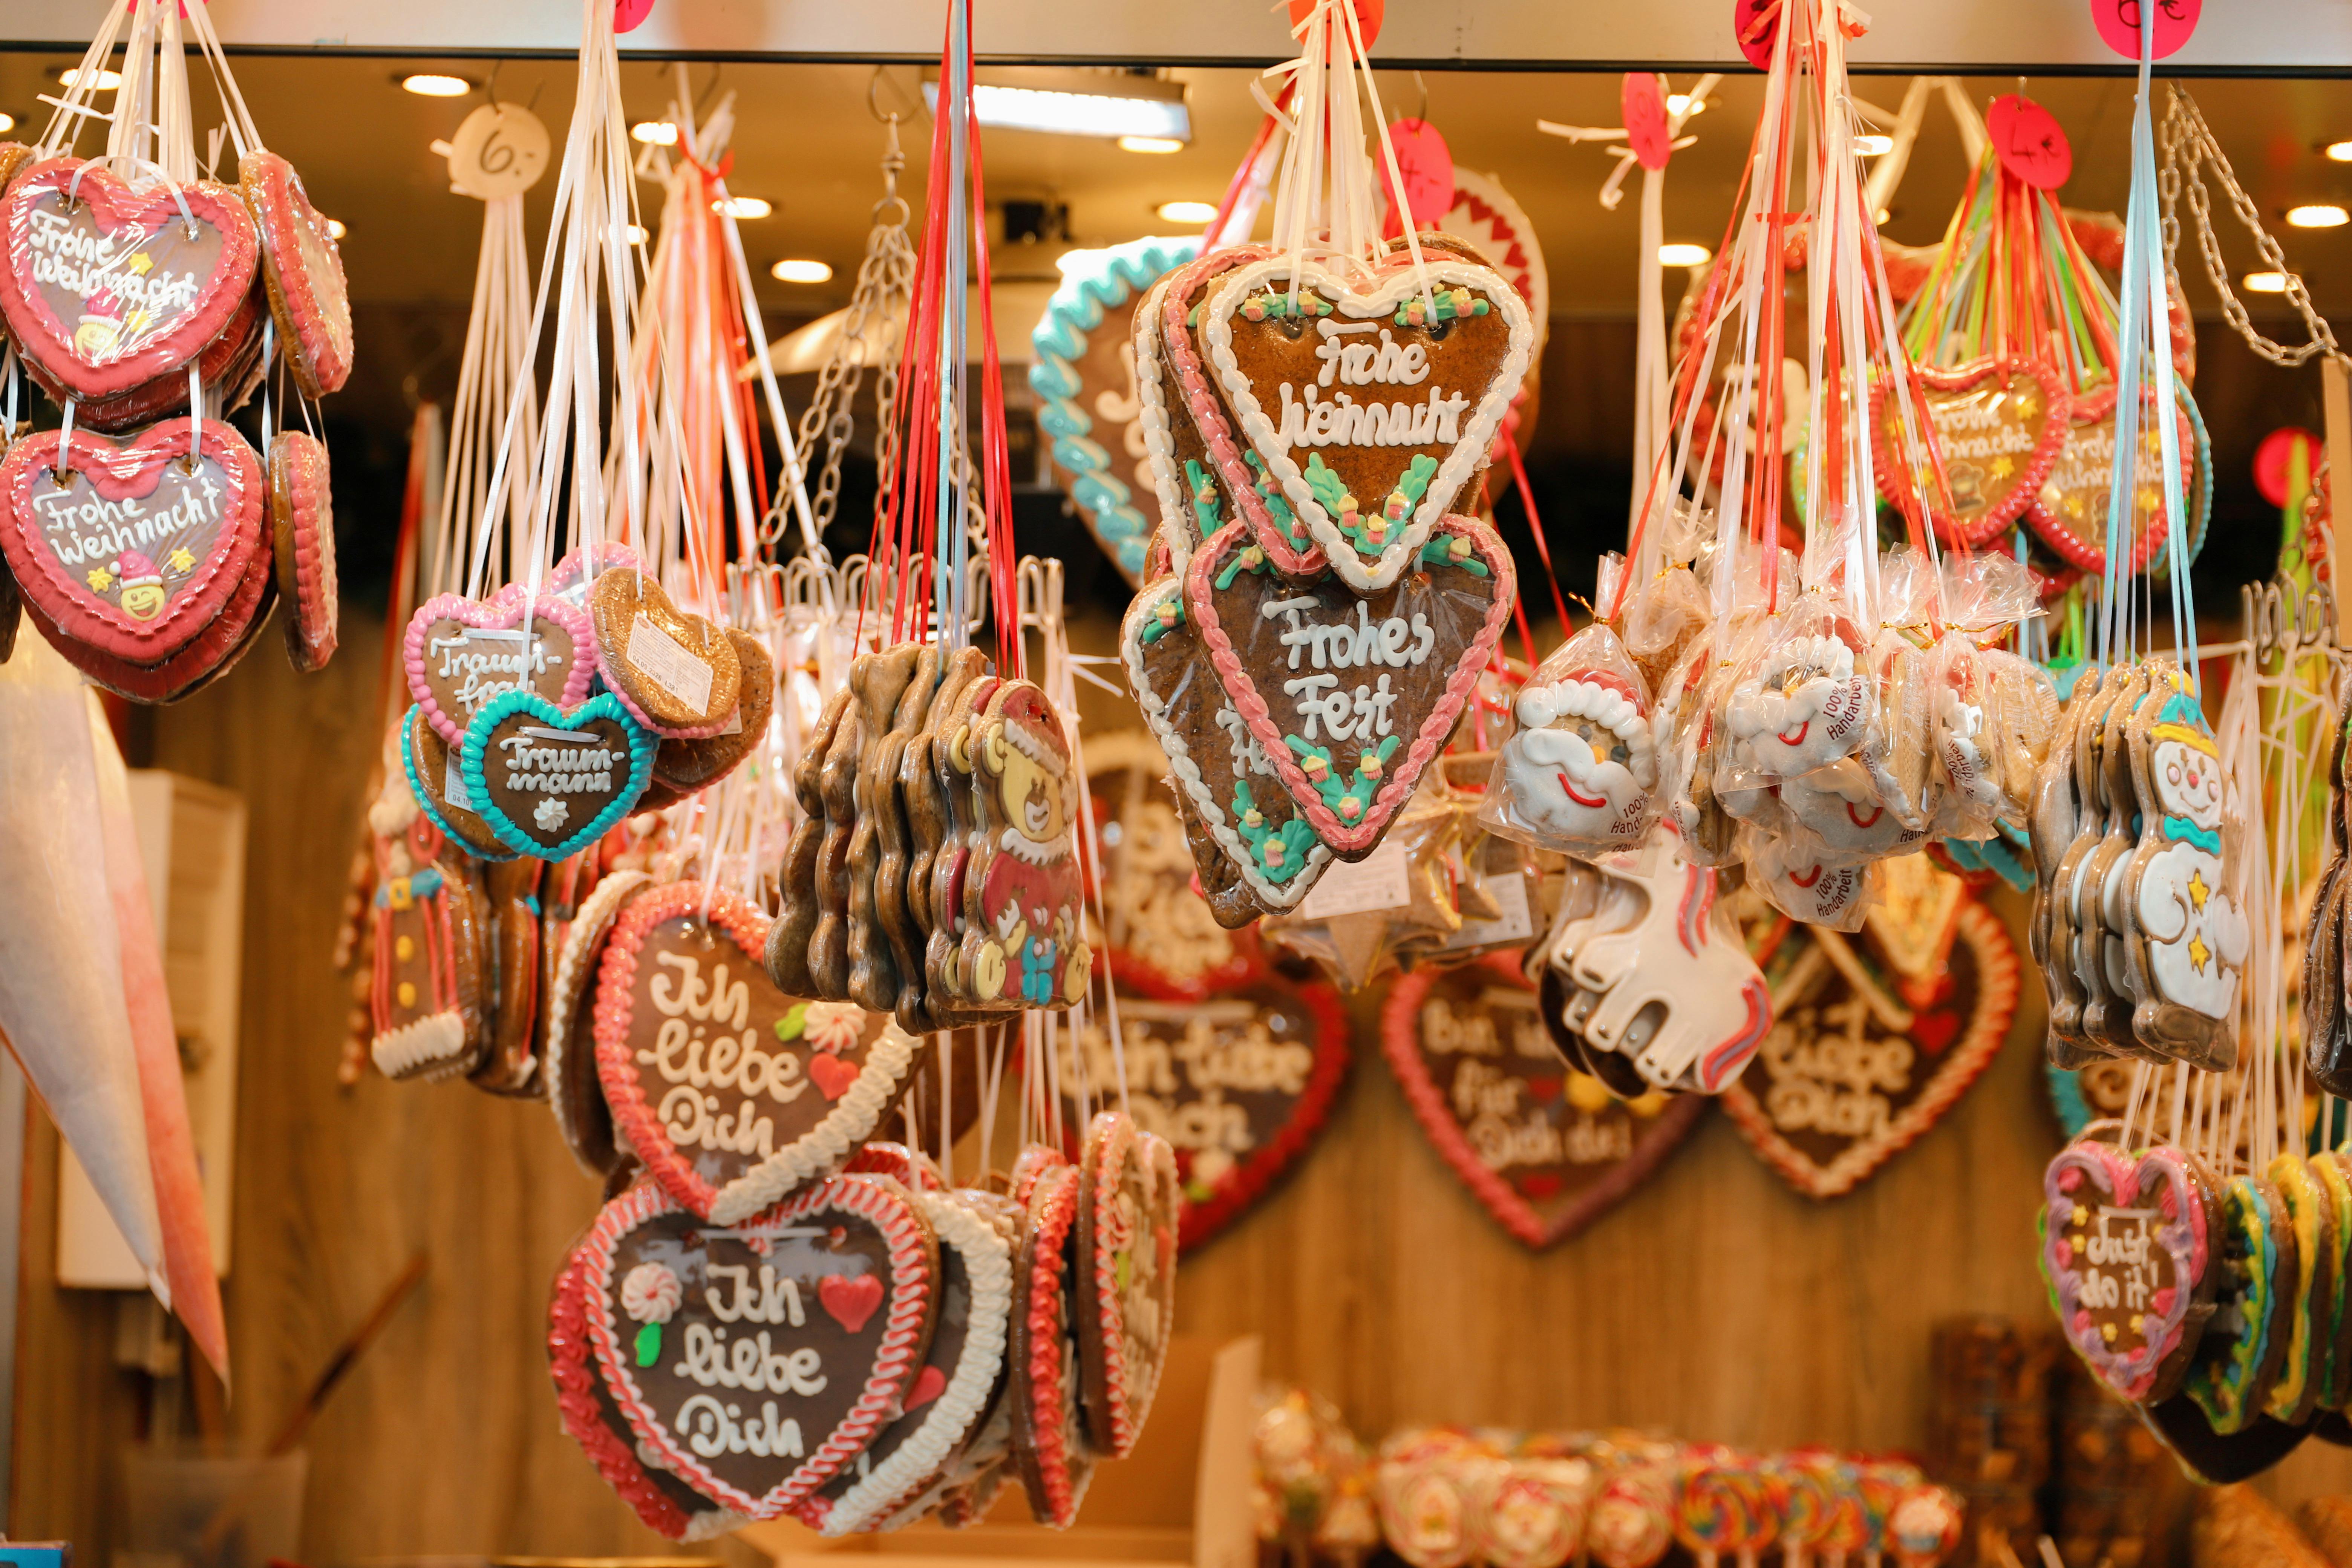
[(461, 654), (2127, 1251), (106, 286), (1370, 402), (551, 781), (1351, 695), (733, 1094), (756, 1362), (686, 766), (1124, 1290), (1544, 1148), (436, 777), (2069, 508), (303, 271), (230, 364), (211, 655), (1998, 425), (302, 530), (129, 548), (676, 672)]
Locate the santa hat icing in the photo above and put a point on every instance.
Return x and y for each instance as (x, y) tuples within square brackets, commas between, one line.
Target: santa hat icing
[(1603, 697), (136, 571), (1036, 728)]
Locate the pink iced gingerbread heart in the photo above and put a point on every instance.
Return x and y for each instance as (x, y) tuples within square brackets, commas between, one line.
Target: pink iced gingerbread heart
[(303, 271), (2127, 1251), (460, 653)]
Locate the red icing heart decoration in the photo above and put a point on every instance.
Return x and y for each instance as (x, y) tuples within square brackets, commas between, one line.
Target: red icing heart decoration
[(302, 532), (131, 550), (1545, 1148), (303, 271), (850, 1301), (832, 1076), (1998, 425), (927, 1387), (107, 286)]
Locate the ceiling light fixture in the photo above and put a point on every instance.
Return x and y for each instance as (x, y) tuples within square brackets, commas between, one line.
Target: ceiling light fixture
[(433, 84), (2318, 214), (1069, 103), (800, 270), (744, 206), (655, 132), (1681, 103), (2264, 283), (1150, 145), (1194, 213), (7, 122), (2339, 152), (636, 232), (335, 229), (1871, 144), (103, 81), (1682, 254)]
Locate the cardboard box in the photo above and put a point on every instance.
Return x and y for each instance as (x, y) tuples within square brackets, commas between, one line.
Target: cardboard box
[(1182, 1500)]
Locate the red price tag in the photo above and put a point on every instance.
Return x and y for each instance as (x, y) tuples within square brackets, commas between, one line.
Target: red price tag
[(1645, 119), (627, 14), (1758, 48), (2118, 22), (2027, 139), (2271, 461), (1368, 16), (1427, 165)]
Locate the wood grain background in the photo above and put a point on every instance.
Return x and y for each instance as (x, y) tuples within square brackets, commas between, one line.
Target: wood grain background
[(1714, 1304)]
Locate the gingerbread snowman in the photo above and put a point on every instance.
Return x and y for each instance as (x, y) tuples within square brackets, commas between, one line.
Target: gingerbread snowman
[(2195, 937)]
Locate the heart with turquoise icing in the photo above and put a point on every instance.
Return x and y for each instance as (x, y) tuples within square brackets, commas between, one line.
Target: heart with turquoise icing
[(551, 781)]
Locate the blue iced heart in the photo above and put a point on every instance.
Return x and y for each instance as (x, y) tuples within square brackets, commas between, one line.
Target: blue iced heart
[(572, 765)]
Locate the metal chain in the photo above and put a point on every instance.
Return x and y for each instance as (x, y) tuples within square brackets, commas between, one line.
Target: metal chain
[(2189, 145), (877, 307)]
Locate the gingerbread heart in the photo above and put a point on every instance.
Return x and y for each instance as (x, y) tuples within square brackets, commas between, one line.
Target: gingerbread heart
[(733, 1094), (2127, 1253), (212, 654), (1546, 1150), (130, 547), (676, 672), (2238, 1356), (1998, 425), (1349, 696), (1394, 385), (1850, 1073), (955, 1390), (1124, 1276), (1055, 1462), (567, 1059), (755, 1363), (437, 776), (2070, 509), (686, 766), (551, 781), (230, 364), (461, 653), (303, 271), (107, 286), (302, 532), (2315, 1313)]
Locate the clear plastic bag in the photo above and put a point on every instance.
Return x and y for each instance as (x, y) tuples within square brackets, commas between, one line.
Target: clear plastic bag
[(1959, 697), (1663, 617), (1579, 774), (1809, 699), (1808, 883)]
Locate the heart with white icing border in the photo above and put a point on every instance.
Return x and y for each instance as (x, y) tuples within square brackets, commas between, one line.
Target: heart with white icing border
[(676, 671), (462, 653), (836, 1289), (1998, 424), (302, 530), (1380, 470), (1402, 662), (551, 781), (303, 271), (133, 551), (107, 286), (683, 1006)]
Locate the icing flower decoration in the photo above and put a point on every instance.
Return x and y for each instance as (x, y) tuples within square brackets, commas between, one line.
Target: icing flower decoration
[(835, 1025), (650, 1293)]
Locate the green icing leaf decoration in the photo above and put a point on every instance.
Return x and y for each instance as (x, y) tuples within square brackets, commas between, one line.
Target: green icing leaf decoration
[(790, 1025), (1330, 490), (1453, 550), (649, 1344), (1204, 497)]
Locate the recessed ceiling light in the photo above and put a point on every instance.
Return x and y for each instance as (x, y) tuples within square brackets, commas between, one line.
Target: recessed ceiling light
[(636, 234), (800, 270), (103, 81), (2339, 152), (1188, 212), (1871, 144), (1680, 103), (335, 228), (744, 206), (2264, 283), (655, 132), (1151, 145), (1684, 255), (2318, 214), (432, 84), (7, 122)]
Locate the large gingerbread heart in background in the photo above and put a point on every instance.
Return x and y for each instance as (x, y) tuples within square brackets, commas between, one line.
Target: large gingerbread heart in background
[(1850, 1073), (129, 548), (1368, 414), (1546, 1149), (1239, 1080), (1157, 926), (2070, 509), (1998, 425), (106, 286)]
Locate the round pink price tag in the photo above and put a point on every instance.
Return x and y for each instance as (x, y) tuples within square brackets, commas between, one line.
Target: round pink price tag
[(1368, 16), (2119, 23), (2271, 462), (627, 14), (1427, 165), (2027, 140), (1754, 41), (1646, 130)]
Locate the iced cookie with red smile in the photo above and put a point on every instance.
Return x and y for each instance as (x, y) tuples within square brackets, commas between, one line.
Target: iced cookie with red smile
[(1841, 806), (1578, 774), (1807, 704)]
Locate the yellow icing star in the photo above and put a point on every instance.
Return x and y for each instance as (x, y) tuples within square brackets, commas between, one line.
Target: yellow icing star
[(2198, 954), (2001, 467), (2137, 1323), (100, 579), (2073, 506), (2028, 406), (2107, 1333), (2081, 1216), (139, 264), (2148, 499), (180, 560), (2198, 891)]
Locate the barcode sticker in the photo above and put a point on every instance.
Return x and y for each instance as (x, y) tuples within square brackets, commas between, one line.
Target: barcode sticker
[(453, 784), (663, 659)]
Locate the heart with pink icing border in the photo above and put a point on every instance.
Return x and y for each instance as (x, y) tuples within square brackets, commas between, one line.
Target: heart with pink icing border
[(1998, 424), (2126, 1252), (106, 286), (302, 530), (460, 653), (303, 271), (1351, 695), (130, 547)]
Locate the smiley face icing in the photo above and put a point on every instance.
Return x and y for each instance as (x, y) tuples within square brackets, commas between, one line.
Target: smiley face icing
[(1581, 769), (1807, 708)]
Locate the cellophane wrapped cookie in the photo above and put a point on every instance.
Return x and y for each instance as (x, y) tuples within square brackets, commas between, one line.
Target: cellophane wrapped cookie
[(1581, 773), (1808, 700), (1661, 619)]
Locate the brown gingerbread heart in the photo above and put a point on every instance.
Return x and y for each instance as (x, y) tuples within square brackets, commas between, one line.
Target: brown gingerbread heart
[(1125, 1276), (303, 271), (676, 672), (302, 532), (687, 765)]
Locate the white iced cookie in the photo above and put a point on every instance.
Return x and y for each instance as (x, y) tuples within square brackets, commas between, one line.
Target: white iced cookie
[(2197, 938), (1582, 764), (1841, 806), (1806, 707), (1964, 744), (1807, 883)]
